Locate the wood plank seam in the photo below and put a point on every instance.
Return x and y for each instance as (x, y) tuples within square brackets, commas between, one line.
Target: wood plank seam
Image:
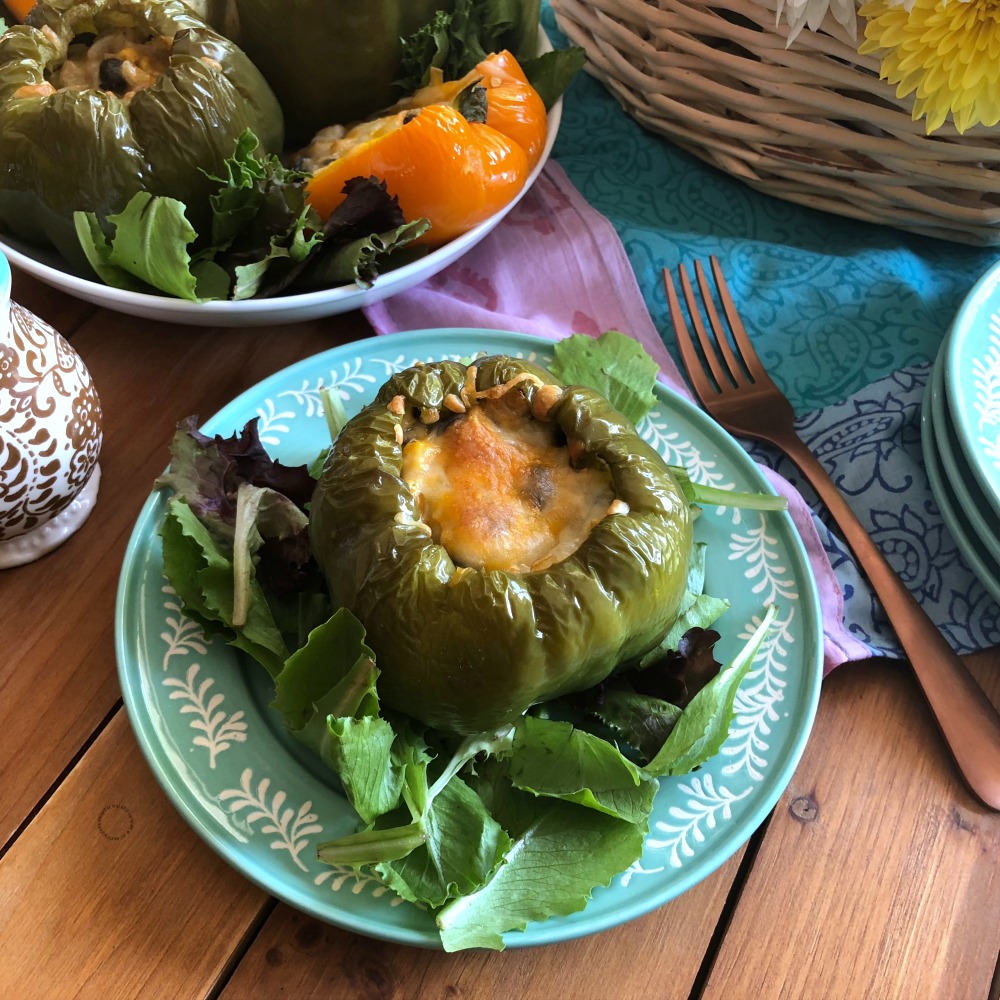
[(60, 778), (729, 907)]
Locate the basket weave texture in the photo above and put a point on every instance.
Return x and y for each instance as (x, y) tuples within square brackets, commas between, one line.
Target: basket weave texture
[(809, 122)]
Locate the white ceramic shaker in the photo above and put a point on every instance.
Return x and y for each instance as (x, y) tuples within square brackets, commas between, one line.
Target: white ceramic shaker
[(50, 434)]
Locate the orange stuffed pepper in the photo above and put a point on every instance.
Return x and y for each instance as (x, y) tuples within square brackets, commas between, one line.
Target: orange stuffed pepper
[(448, 155)]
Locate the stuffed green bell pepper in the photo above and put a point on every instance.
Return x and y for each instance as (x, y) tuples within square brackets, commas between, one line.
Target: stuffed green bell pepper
[(329, 61), (504, 539), (335, 62), (102, 99)]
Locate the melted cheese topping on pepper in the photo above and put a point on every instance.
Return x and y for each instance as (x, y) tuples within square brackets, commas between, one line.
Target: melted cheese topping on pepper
[(502, 495)]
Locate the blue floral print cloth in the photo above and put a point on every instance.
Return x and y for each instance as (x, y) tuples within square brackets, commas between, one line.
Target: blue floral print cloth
[(847, 317), (870, 445)]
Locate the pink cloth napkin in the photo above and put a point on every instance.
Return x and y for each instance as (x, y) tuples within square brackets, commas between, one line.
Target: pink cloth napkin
[(555, 266)]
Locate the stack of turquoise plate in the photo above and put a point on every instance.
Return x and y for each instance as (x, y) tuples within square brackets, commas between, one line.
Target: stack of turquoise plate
[(960, 430)]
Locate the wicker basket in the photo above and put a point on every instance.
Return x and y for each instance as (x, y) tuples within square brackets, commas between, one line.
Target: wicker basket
[(810, 122)]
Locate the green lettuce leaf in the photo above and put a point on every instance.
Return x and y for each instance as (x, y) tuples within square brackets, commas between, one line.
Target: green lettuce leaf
[(150, 243), (365, 235), (322, 678), (697, 609), (463, 845), (614, 364), (360, 751), (557, 760), (641, 721), (202, 576), (551, 72), (456, 41), (559, 853)]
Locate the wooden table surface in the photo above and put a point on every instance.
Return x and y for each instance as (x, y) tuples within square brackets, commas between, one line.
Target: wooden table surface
[(876, 876)]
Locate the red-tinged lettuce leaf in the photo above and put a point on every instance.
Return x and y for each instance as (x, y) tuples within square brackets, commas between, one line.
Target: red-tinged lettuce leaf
[(557, 760), (207, 473), (636, 720), (364, 235), (677, 675), (362, 260), (697, 610), (704, 725), (559, 853)]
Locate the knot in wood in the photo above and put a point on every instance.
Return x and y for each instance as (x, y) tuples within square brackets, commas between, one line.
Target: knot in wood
[(804, 809)]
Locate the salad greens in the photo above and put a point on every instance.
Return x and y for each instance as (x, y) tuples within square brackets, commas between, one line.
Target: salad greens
[(488, 831), (456, 41), (614, 364), (263, 238)]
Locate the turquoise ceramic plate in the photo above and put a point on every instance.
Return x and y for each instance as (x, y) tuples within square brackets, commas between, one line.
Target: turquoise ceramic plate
[(972, 382), (969, 498), (200, 714), (953, 510)]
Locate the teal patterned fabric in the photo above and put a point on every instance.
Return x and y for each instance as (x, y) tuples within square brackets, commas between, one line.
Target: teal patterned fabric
[(832, 304), (846, 316)]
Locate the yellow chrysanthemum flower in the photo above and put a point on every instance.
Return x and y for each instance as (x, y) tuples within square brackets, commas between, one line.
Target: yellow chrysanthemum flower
[(946, 52)]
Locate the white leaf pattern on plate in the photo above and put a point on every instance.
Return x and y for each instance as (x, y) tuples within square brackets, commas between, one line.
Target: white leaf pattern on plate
[(702, 810), (290, 828), (757, 549), (340, 876), (218, 730), (182, 635), (762, 689), (273, 422), (986, 378)]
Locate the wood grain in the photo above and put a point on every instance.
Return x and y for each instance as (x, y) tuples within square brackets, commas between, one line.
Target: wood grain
[(62, 311), (656, 956), (58, 682), (108, 892), (873, 858)]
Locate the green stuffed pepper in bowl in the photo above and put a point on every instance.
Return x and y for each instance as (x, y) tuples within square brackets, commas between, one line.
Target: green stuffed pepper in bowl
[(102, 99)]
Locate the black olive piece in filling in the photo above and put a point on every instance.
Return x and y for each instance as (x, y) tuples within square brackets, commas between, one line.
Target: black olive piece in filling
[(111, 77)]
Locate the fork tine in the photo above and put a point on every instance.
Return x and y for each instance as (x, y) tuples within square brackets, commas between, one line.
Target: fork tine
[(732, 360), (748, 354), (689, 354)]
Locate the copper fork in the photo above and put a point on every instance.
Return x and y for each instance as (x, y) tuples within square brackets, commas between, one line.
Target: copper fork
[(734, 387)]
